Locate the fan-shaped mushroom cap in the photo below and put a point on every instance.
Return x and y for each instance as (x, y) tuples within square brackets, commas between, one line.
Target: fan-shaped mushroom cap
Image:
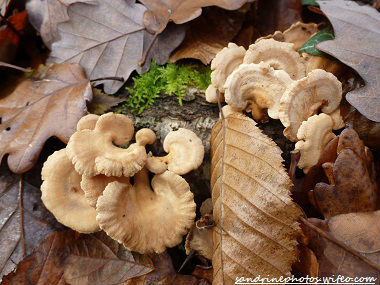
[(337, 119), (201, 241), (222, 65), (256, 85), (93, 151), (87, 122), (313, 135), (143, 220), (185, 151), (297, 34), (93, 186), (321, 62), (63, 196), (145, 136), (279, 55), (303, 98)]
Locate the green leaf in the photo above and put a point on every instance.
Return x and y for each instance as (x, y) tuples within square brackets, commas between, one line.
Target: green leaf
[(324, 35), (310, 3)]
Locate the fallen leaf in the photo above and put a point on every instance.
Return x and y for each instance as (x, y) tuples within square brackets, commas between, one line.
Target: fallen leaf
[(39, 108), (69, 257), (359, 231), (256, 220), (307, 265), (97, 259), (10, 36), (160, 12), (323, 35), (102, 102), (351, 188), (203, 272), (164, 274), (38, 222), (208, 34), (356, 43), (45, 15), (108, 43)]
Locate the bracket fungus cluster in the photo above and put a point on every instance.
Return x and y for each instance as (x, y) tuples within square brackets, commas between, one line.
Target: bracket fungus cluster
[(88, 185), (272, 79)]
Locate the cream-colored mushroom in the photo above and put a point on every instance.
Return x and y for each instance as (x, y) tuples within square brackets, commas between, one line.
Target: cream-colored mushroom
[(319, 90), (297, 34), (201, 241), (185, 151), (95, 151), (143, 220), (279, 55), (63, 196), (313, 136), (337, 119), (321, 62), (222, 65), (256, 87), (87, 122)]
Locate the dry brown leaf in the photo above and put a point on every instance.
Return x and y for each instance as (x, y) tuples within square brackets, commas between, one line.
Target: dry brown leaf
[(97, 259), (256, 220), (39, 108), (45, 15), (356, 43), (102, 102), (208, 34), (67, 257), (351, 188), (109, 39), (359, 231), (160, 12), (38, 222), (164, 274)]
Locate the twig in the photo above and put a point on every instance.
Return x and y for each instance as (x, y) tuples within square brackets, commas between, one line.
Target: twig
[(190, 256), (116, 78), (145, 54), (339, 243), (14, 67), (20, 205)]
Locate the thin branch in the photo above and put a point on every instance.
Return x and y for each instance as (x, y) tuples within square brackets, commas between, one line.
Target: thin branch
[(116, 78), (14, 67), (145, 54), (190, 256), (20, 205), (339, 243)]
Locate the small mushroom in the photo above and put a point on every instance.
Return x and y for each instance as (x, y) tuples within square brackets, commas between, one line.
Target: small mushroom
[(185, 151), (63, 196), (87, 122), (95, 151), (200, 239), (222, 65), (313, 135), (279, 55), (319, 90), (143, 220), (155, 164), (297, 34), (256, 87)]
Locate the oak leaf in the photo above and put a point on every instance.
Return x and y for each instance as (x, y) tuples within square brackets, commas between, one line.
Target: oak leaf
[(356, 43), (67, 257), (45, 15), (359, 231), (208, 34), (109, 39), (160, 12), (39, 108), (256, 220)]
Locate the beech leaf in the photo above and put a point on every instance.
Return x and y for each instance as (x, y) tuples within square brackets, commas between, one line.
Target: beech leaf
[(356, 43), (256, 220), (160, 12), (39, 108)]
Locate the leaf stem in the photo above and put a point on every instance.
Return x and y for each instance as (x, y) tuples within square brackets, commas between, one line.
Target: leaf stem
[(294, 159), (20, 205), (14, 67), (145, 54), (339, 243), (116, 78)]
